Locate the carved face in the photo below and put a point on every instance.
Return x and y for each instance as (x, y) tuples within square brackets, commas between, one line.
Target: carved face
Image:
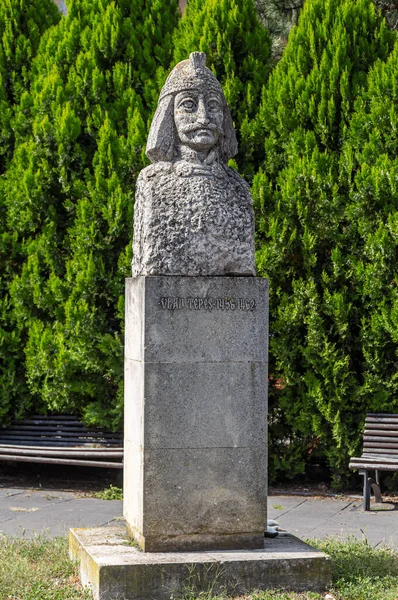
[(198, 117)]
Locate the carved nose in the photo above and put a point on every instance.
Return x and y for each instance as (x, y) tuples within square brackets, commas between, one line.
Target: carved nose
[(202, 113)]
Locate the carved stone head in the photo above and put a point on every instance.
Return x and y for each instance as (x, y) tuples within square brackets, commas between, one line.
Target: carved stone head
[(192, 112)]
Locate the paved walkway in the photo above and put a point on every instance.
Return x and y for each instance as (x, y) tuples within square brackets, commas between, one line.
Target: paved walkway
[(30, 512), (310, 518)]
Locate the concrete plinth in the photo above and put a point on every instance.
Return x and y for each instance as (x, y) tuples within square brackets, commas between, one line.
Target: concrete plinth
[(113, 569), (195, 466)]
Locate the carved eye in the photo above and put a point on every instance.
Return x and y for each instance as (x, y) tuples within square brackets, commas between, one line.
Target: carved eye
[(213, 105), (188, 104)]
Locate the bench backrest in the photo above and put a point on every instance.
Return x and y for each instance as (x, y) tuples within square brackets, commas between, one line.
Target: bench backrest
[(381, 435), (58, 431)]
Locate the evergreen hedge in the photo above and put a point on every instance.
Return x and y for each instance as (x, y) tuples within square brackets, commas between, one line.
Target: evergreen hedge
[(300, 195), (370, 164), (22, 24), (70, 193)]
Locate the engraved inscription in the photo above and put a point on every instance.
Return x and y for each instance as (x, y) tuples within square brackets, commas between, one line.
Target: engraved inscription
[(176, 303)]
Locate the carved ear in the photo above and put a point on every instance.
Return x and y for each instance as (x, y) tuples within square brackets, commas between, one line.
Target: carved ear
[(229, 144), (160, 145)]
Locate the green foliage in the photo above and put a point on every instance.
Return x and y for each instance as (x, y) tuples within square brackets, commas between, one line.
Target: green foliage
[(316, 313), (370, 164), (111, 493), (238, 51), (70, 191), (22, 23)]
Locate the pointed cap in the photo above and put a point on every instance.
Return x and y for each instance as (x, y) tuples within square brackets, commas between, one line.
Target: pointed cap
[(191, 74)]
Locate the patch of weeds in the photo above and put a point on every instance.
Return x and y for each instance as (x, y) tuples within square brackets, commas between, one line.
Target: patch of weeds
[(280, 595), (202, 583), (111, 493), (38, 569), (277, 507), (360, 571), (133, 543)]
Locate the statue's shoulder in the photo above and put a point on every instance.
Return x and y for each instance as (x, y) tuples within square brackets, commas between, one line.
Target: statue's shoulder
[(236, 178), (154, 170)]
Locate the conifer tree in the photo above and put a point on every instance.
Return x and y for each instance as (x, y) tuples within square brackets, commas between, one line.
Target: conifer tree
[(22, 23), (238, 51), (72, 184), (370, 164), (300, 200)]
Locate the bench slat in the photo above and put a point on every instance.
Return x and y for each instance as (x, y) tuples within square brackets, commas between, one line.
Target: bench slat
[(381, 451), (63, 461), (53, 422), (378, 458), (60, 453), (67, 438), (57, 433), (380, 443), (381, 416), (371, 466), (90, 449), (54, 428), (54, 418), (381, 433), (379, 427), (60, 443)]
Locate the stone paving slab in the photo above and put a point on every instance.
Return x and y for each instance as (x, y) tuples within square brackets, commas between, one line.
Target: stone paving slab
[(335, 517), (31, 512), (7, 492)]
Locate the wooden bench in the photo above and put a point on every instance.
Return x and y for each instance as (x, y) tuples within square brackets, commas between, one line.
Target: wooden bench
[(380, 453), (61, 440)]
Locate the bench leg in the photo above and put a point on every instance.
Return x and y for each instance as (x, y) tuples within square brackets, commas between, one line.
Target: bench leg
[(377, 477), (375, 485), (370, 484), (366, 489)]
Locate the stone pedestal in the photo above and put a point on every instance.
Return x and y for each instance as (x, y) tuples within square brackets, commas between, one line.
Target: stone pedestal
[(196, 412)]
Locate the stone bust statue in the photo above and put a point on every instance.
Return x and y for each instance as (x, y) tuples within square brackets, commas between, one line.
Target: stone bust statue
[(193, 214)]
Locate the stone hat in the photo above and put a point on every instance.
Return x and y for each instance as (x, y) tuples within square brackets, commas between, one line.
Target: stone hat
[(191, 74)]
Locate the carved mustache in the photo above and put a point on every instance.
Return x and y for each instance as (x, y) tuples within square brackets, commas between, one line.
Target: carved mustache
[(197, 126)]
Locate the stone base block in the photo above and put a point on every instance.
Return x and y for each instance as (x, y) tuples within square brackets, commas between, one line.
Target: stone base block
[(194, 543), (115, 569)]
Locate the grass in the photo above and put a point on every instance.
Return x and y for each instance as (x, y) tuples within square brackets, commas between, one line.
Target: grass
[(39, 569), (360, 572), (111, 493)]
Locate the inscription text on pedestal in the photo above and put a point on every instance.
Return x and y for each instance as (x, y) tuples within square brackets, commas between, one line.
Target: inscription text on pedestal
[(177, 303)]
